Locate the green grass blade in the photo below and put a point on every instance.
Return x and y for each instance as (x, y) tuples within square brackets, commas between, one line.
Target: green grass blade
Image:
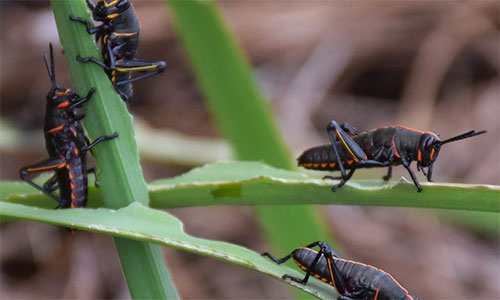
[(145, 224), (255, 183), (227, 82), (120, 173), (242, 114)]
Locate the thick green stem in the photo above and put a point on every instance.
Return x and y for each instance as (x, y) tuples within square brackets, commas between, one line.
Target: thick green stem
[(120, 173)]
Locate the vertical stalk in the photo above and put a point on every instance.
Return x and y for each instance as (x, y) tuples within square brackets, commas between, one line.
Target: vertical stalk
[(243, 115), (120, 173)]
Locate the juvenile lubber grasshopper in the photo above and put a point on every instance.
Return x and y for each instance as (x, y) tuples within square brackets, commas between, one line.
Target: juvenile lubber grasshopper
[(382, 147), (66, 144), (119, 35), (351, 279)]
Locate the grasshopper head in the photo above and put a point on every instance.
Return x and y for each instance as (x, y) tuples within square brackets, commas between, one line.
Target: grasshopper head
[(428, 149), (107, 10), (430, 144)]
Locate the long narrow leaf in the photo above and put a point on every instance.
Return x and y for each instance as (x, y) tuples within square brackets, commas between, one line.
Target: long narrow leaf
[(145, 224), (255, 183), (242, 114), (120, 173)]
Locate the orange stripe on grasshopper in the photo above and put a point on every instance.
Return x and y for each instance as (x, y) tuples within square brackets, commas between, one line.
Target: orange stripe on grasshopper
[(346, 146), (58, 128), (64, 104), (395, 149), (376, 292), (63, 93), (46, 168), (411, 129)]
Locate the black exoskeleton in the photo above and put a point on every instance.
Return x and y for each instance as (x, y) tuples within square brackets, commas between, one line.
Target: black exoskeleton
[(382, 147), (119, 36), (66, 144), (351, 279)]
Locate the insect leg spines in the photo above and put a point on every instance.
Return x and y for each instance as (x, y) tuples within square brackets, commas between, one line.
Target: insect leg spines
[(335, 275), (77, 102), (275, 259), (311, 261), (406, 164), (294, 256), (349, 144), (88, 26), (156, 68), (152, 68), (48, 164), (94, 60), (309, 270), (51, 184), (349, 129), (343, 180), (389, 174), (98, 140)]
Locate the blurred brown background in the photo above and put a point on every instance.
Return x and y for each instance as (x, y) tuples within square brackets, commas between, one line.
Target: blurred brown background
[(433, 65)]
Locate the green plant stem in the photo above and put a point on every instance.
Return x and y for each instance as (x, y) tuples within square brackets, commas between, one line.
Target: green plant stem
[(120, 173), (242, 115)]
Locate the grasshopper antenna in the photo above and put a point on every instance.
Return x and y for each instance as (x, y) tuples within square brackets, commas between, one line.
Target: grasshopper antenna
[(50, 70), (463, 136)]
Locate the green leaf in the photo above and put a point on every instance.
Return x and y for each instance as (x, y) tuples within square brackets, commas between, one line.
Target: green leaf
[(145, 224), (242, 114), (227, 82), (120, 173), (254, 183)]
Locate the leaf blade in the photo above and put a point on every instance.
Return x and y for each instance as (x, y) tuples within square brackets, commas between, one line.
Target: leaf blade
[(145, 224), (259, 184), (118, 165), (255, 183)]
